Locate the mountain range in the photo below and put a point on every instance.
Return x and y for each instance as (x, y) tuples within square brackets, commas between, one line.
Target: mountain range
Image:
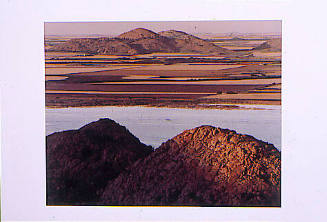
[(142, 41)]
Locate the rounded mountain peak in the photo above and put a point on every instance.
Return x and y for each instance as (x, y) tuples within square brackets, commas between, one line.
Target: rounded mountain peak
[(138, 33), (204, 166), (176, 34)]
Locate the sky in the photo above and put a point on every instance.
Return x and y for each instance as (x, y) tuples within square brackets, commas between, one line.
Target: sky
[(115, 28)]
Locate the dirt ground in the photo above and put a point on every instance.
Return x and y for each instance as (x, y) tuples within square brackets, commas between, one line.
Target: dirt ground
[(73, 79)]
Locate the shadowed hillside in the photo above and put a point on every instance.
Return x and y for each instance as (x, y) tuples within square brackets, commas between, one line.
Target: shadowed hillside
[(81, 162), (103, 164)]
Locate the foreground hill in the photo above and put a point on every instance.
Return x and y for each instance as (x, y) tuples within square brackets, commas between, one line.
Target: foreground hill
[(141, 41), (205, 166), (81, 162), (103, 164)]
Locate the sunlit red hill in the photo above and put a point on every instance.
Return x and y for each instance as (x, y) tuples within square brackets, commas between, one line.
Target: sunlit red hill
[(102, 163), (142, 41)]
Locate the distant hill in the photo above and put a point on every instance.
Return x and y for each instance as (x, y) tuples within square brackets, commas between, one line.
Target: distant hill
[(271, 45), (177, 35), (142, 41), (237, 39), (107, 46), (138, 33), (187, 43)]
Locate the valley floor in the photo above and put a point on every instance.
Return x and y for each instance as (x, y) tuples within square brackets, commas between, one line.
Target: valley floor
[(73, 80)]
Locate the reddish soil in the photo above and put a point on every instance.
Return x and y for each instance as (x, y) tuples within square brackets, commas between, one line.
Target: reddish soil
[(158, 100), (83, 82), (181, 73), (205, 166), (102, 163), (150, 87)]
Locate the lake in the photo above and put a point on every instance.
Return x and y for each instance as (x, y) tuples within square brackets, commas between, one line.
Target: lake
[(154, 126)]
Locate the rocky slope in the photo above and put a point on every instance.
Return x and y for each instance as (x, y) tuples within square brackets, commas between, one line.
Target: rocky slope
[(187, 43), (141, 41), (81, 162), (205, 166), (138, 33), (109, 46), (104, 164)]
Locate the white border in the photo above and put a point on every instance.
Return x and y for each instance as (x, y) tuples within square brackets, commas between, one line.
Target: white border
[(22, 104)]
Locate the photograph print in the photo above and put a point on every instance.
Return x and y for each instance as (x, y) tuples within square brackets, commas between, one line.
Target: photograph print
[(163, 113)]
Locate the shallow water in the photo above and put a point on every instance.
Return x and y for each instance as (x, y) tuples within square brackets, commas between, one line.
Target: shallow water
[(156, 125)]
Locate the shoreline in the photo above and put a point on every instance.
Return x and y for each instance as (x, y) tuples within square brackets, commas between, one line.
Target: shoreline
[(66, 101), (130, 116), (221, 106)]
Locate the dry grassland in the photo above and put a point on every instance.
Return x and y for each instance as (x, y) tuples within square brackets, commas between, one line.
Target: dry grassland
[(61, 54), (238, 47), (188, 67), (136, 77), (212, 82), (171, 54), (103, 56), (132, 93), (249, 96), (69, 70), (268, 54), (47, 78), (279, 86)]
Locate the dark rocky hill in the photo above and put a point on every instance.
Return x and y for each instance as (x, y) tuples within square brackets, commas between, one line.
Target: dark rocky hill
[(205, 166), (141, 41), (102, 163), (81, 162)]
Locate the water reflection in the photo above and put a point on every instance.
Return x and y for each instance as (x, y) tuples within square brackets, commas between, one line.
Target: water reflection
[(156, 125)]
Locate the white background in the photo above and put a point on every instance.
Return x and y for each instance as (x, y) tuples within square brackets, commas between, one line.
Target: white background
[(22, 104)]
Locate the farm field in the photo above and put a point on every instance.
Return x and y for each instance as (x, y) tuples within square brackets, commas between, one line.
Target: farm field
[(70, 70), (164, 79), (212, 82)]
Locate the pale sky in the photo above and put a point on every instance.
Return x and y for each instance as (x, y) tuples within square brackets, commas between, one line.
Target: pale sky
[(115, 28)]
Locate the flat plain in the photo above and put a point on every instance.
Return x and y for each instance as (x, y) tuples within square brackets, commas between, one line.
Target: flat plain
[(248, 72)]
